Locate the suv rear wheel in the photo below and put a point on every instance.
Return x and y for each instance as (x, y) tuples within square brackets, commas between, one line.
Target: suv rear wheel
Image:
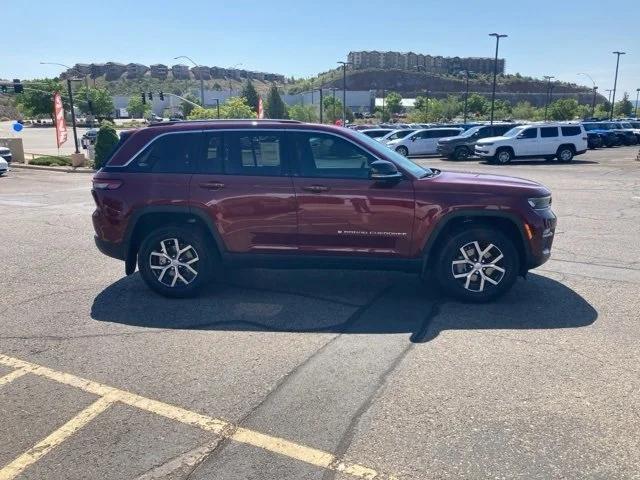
[(478, 265), (174, 261), (565, 153)]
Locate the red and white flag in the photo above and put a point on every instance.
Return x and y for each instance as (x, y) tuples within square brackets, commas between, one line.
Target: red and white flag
[(260, 108), (61, 127)]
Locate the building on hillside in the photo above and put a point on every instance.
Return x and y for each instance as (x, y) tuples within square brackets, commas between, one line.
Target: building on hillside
[(97, 70), (180, 72), (159, 71), (114, 70), (201, 72), (136, 70), (82, 69), (411, 61)]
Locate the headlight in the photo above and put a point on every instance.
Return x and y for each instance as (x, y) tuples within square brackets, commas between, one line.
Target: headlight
[(540, 203)]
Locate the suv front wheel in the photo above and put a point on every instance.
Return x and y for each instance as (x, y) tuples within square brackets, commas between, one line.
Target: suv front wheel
[(503, 156), (478, 265), (174, 261)]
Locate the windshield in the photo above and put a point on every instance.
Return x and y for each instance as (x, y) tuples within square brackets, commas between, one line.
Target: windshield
[(470, 132), (403, 162), (397, 134), (626, 125), (514, 131), (591, 126), (635, 124)]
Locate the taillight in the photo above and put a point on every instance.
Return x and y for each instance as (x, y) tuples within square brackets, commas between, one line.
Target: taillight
[(106, 184)]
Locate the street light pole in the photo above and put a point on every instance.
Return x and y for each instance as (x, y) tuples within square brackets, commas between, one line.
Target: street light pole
[(595, 90), (615, 82), (199, 74), (344, 91), (546, 106), (495, 71), (321, 105)]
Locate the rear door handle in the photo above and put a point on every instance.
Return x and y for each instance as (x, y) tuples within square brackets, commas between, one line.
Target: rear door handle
[(316, 188), (212, 185)]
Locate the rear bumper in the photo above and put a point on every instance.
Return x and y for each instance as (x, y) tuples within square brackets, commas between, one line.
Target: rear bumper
[(110, 249)]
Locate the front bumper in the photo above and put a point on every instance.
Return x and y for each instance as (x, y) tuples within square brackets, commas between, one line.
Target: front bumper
[(8, 158), (484, 151), (542, 234), (445, 150)]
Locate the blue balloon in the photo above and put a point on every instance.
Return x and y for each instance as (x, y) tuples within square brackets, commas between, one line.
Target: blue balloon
[(17, 127)]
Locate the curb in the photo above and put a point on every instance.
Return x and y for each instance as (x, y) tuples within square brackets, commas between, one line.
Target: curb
[(52, 169)]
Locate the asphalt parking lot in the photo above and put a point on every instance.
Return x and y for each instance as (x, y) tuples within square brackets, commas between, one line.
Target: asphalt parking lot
[(322, 374)]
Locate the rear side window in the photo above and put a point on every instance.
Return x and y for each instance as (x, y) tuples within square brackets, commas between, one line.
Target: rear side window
[(529, 133), (254, 153), (171, 153), (548, 132), (571, 131)]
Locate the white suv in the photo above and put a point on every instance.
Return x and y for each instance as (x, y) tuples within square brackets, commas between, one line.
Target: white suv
[(422, 142), (549, 140)]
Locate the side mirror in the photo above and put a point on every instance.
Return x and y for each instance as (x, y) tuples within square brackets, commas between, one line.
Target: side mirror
[(384, 171), (520, 137), (413, 139)]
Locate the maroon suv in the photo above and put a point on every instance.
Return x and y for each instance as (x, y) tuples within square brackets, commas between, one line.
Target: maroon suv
[(184, 200)]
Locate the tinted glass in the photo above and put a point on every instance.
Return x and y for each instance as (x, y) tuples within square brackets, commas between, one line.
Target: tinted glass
[(529, 133), (253, 153), (499, 130), (172, 153), (403, 162), (548, 132), (212, 160), (571, 131), (328, 156)]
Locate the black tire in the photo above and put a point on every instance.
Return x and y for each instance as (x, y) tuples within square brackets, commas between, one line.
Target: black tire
[(402, 150), (451, 252), (159, 276), (565, 153), (461, 153), (503, 156)]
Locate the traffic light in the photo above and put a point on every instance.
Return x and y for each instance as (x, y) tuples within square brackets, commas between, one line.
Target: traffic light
[(150, 95), (144, 98), (17, 86), (161, 95)]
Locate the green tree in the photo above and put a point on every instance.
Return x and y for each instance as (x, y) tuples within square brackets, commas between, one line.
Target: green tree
[(478, 105), (563, 109), (393, 103), (199, 113), (624, 107), (37, 98), (501, 109), (101, 101), (451, 107), (187, 107), (106, 141), (275, 107), (304, 113), (602, 110), (332, 108), (524, 111), (136, 108), (250, 94), (235, 107)]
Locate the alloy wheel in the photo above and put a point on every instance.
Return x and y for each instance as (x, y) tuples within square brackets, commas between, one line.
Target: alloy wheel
[(479, 265), (174, 262)]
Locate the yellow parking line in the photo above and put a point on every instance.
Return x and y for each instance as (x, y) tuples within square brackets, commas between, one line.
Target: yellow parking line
[(221, 427), (10, 377), (15, 468)]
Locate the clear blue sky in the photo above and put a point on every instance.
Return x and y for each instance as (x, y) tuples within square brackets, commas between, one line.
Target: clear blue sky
[(301, 38)]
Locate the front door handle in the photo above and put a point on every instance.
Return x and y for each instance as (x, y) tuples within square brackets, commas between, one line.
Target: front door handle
[(316, 188), (212, 185)]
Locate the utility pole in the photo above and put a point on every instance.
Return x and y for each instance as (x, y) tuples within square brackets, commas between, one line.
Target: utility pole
[(199, 74), (495, 71), (344, 91), (615, 82), (546, 106), (595, 93)]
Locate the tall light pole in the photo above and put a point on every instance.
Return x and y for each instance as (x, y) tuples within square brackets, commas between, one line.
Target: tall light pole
[(344, 91), (73, 113), (199, 74), (546, 106), (495, 71), (595, 92), (615, 82), (637, 95)]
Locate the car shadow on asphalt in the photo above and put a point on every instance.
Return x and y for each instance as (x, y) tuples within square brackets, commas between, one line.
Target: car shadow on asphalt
[(553, 163), (345, 302)]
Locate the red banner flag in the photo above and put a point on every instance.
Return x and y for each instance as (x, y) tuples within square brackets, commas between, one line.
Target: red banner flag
[(260, 108), (61, 127)]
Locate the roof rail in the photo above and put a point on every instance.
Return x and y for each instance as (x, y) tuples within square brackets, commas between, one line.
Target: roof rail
[(222, 120)]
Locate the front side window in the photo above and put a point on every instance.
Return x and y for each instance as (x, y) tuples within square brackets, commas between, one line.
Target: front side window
[(170, 153), (529, 133), (328, 156), (254, 153), (548, 132)]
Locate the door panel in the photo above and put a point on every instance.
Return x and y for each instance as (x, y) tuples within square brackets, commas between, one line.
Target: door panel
[(244, 187), (340, 210), (526, 146)]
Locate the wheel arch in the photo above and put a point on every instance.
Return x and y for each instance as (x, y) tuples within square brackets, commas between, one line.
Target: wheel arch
[(152, 217), (506, 223)]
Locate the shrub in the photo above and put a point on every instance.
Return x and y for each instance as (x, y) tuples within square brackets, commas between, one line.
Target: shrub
[(51, 161), (105, 143)]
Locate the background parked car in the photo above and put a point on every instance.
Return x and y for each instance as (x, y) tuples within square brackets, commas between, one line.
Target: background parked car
[(376, 133), (594, 140), (396, 134), (422, 142), (5, 153), (630, 137), (4, 166), (608, 136), (89, 138), (462, 146)]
